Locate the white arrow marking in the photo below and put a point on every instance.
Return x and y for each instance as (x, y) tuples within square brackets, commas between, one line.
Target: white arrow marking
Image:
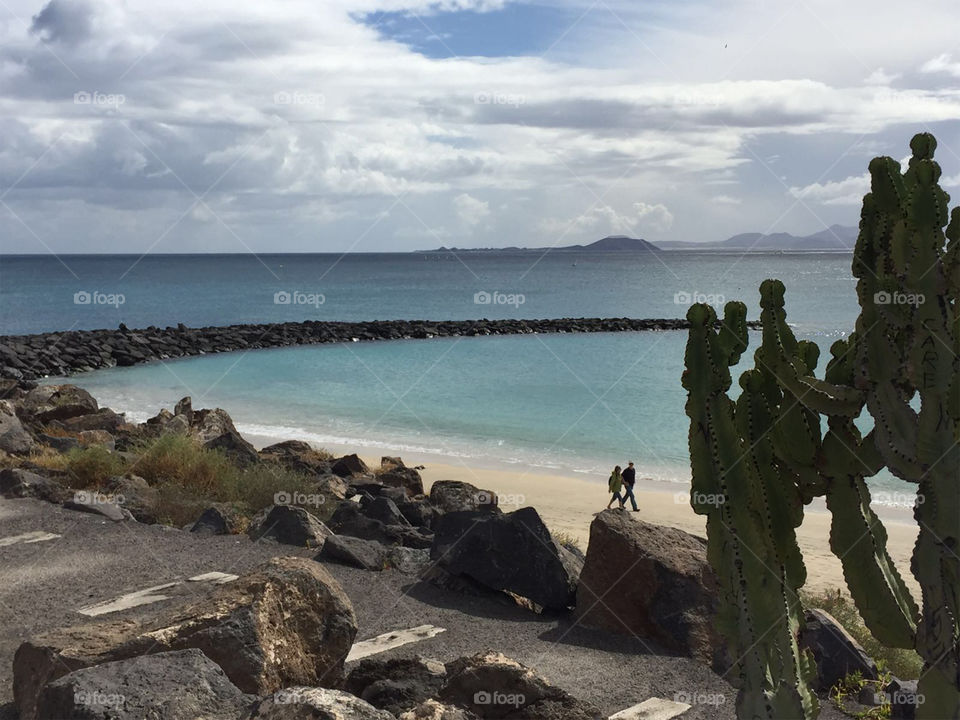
[(391, 640), (216, 578), (130, 600), (652, 709), (27, 538)]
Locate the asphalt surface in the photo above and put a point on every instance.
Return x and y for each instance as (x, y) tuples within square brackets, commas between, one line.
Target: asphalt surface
[(43, 584)]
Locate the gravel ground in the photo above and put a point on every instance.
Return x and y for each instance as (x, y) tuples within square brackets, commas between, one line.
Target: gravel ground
[(43, 584)]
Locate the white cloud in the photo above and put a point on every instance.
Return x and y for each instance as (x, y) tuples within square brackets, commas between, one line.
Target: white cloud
[(942, 64), (469, 210), (363, 120), (881, 77), (849, 191)]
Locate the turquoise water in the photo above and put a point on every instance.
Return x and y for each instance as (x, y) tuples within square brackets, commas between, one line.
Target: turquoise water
[(568, 403)]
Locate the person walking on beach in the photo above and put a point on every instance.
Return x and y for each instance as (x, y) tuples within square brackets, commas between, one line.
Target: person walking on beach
[(613, 485), (629, 479)]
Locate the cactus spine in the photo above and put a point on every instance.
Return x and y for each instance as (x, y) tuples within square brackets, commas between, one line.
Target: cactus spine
[(767, 454)]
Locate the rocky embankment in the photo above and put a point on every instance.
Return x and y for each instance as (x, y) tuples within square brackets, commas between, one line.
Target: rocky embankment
[(278, 641), (64, 353)]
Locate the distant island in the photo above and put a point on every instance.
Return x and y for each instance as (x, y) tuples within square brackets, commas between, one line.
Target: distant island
[(836, 238), (611, 243)]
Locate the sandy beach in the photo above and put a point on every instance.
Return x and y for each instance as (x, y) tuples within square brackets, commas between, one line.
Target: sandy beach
[(567, 504)]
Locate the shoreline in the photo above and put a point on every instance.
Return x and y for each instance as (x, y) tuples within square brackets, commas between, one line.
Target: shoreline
[(567, 504)]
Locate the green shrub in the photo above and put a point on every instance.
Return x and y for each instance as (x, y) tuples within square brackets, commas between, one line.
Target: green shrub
[(904, 663), (91, 467)]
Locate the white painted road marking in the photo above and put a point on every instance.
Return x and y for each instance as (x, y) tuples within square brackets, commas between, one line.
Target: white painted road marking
[(151, 594), (26, 538), (130, 600), (391, 640), (652, 709), (217, 578)]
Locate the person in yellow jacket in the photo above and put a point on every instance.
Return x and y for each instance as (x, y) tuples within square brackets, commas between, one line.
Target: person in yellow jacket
[(614, 484)]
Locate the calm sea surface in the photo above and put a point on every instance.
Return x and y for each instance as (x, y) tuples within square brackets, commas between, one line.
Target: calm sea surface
[(572, 403)]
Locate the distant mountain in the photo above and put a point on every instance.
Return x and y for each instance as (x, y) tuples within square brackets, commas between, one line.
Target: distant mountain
[(837, 238), (609, 244)]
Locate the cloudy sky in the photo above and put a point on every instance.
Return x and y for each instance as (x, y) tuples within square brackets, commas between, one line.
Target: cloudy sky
[(371, 125)]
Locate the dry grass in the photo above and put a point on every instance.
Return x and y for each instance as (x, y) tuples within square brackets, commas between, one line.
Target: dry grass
[(565, 539), (905, 664), (190, 477), (91, 467)]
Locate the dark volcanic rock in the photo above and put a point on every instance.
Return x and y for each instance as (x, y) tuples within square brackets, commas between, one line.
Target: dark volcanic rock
[(453, 495), (14, 438), (383, 509), (17, 483), (402, 477), (349, 465), (396, 685), (652, 582), (219, 519), (136, 496), (297, 456), (97, 503), (834, 650), (433, 710), (303, 703), (57, 402), (513, 552), (61, 353), (102, 419), (492, 685), (364, 554), (287, 622), (216, 431), (290, 525), (179, 685)]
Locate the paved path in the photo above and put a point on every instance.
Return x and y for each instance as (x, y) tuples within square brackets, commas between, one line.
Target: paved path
[(70, 567)]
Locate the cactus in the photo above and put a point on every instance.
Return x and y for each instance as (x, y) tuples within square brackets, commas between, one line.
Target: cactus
[(769, 453)]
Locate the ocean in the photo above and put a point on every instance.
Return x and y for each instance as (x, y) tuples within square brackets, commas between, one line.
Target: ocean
[(559, 403)]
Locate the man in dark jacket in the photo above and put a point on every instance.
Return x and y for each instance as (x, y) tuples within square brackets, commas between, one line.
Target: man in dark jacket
[(629, 478)]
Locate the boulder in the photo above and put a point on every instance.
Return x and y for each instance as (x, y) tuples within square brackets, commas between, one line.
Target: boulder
[(304, 703), (513, 552), (14, 438), (136, 496), (220, 519), (290, 525), (417, 509), (383, 509), (402, 477), (491, 685), (18, 483), (60, 443), (364, 554), (100, 438), (216, 431), (835, 651), (184, 407), (288, 622), (179, 685), (349, 465), (350, 519), (652, 582), (98, 503), (408, 560), (396, 685), (904, 699), (297, 456), (453, 496), (433, 710), (102, 419), (56, 402)]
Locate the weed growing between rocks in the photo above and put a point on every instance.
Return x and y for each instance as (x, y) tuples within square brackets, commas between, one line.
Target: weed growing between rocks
[(904, 663)]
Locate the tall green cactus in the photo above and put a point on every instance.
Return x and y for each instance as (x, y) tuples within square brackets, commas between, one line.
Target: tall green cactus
[(767, 455)]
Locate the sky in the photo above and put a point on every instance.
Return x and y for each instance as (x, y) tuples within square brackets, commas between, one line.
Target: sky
[(395, 125)]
